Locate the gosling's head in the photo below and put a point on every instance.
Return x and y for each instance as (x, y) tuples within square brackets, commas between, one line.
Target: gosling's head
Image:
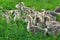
[(57, 9), (43, 12), (38, 20), (46, 18), (28, 18), (20, 5), (7, 12)]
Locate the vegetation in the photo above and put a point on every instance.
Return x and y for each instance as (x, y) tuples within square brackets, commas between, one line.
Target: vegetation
[(11, 31)]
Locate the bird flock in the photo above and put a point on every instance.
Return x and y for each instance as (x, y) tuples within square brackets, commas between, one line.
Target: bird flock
[(44, 20)]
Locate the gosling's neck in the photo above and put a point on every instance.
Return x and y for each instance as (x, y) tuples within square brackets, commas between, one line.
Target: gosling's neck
[(28, 26)]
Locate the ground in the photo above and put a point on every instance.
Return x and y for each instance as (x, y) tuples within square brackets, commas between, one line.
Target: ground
[(11, 31)]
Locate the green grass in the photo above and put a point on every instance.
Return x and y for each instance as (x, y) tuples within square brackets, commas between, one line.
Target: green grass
[(38, 4), (11, 31)]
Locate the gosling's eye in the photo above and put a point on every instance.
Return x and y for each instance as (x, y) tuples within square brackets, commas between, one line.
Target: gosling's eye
[(46, 18), (37, 20)]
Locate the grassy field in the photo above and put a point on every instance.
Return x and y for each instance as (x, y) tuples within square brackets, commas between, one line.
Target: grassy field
[(11, 31)]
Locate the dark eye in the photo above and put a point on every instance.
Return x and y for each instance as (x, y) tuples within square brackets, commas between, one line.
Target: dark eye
[(46, 19), (37, 20)]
